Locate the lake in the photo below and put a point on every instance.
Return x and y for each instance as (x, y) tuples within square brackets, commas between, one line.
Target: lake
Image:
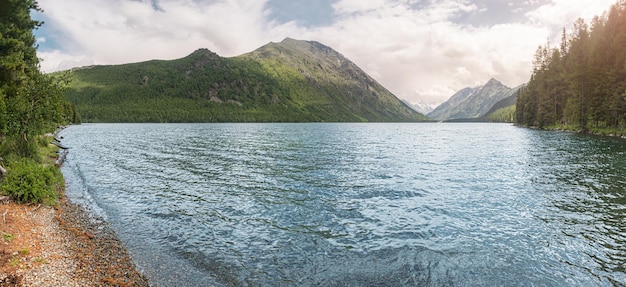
[(333, 204)]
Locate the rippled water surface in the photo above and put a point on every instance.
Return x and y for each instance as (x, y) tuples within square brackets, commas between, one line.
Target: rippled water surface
[(357, 204)]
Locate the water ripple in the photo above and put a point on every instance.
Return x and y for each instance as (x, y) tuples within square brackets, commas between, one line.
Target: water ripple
[(357, 204)]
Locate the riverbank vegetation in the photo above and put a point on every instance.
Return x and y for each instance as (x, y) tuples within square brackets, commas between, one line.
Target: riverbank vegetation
[(31, 104), (581, 84), (31, 237)]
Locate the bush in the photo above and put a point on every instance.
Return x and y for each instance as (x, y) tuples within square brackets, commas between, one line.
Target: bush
[(29, 181), (17, 146)]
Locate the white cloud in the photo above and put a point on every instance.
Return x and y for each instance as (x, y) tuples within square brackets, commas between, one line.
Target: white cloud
[(424, 54), (562, 13), (357, 6), (58, 61), (421, 54), (129, 31), (417, 49)]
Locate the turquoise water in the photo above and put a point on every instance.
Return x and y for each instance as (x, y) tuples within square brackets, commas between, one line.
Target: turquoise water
[(357, 204)]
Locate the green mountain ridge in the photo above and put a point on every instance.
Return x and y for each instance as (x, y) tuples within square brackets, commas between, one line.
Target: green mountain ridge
[(290, 81)]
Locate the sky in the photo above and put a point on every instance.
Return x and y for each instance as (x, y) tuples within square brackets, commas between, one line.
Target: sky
[(421, 50)]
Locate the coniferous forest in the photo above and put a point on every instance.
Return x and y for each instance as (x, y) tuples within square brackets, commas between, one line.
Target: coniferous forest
[(31, 103), (581, 84)]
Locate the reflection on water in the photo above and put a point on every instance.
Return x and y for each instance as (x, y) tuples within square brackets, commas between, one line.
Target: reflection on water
[(589, 201), (357, 204)]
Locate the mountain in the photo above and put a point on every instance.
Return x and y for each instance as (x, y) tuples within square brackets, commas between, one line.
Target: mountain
[(422, 107), (290, 81), (511, 100), (451, 104), (502, 111), (472, 102)]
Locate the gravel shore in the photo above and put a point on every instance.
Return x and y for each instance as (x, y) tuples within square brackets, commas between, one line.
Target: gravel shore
[(61, 246)]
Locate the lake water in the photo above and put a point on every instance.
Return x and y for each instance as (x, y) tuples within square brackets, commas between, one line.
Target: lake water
[(357, 204)]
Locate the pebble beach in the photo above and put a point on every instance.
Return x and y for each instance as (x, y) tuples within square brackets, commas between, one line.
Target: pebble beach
[(61, 246)]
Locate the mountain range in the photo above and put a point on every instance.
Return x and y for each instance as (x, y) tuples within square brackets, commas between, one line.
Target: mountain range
[(473, 103), (290, 81), (422, 107)]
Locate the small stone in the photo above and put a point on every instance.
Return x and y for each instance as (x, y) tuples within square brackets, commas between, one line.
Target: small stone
[(90, 235)]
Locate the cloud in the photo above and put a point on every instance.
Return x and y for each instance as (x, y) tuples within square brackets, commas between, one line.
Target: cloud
[(425, 53), (418, 49), (422, 53), (122, 31), (59, 61), (562, 13)]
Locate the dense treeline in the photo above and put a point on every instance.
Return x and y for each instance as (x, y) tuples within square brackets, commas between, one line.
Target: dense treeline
[(31, 104), (582, 83)]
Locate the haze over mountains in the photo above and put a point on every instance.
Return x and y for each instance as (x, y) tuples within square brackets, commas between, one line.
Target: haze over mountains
[(290, 81), (423, 107), (472, 103)]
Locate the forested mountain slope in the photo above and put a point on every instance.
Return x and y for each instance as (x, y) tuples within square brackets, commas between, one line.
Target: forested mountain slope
[(290, 81), (504, 110)]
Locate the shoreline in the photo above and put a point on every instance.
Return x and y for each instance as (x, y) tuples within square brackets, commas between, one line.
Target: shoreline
[(61, 246), (613, 133)]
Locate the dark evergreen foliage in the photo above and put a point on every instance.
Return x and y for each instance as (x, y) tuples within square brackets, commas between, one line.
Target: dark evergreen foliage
[(30, 102), (582, 83)]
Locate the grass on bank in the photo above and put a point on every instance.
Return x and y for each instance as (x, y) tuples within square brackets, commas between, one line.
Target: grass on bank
[(8, 237), (34, 181), (598, 130)]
